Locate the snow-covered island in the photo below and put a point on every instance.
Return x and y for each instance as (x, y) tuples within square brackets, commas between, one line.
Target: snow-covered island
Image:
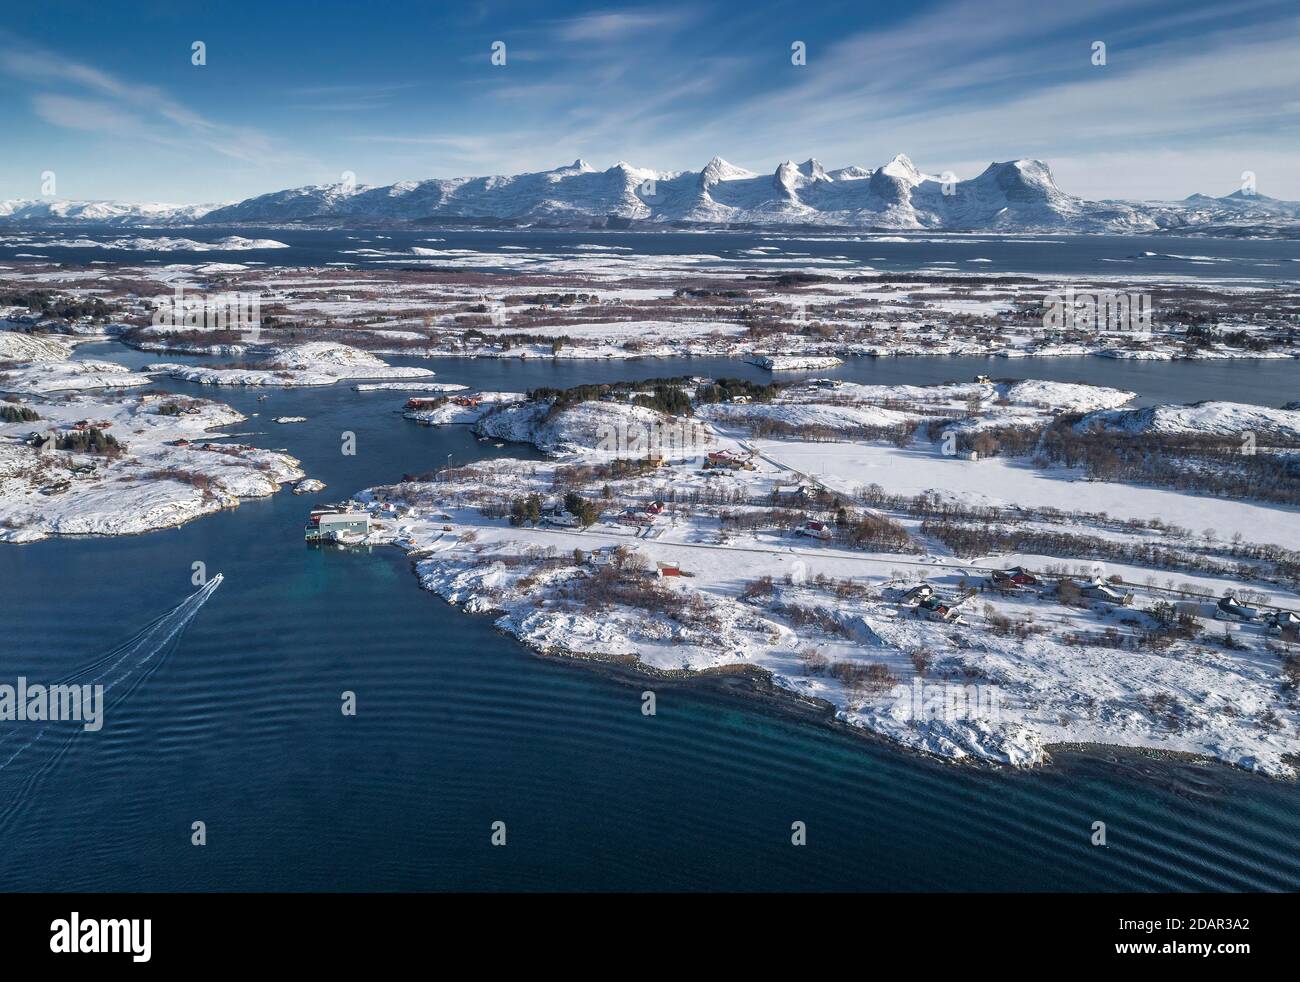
[(83, 464), (920, 562), (795, 363), (596, 302), (311, 363)]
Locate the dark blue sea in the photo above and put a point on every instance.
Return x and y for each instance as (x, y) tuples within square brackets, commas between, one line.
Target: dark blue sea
[(515, 250)]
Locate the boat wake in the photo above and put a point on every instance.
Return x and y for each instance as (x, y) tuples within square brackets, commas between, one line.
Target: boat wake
[(30, 748)]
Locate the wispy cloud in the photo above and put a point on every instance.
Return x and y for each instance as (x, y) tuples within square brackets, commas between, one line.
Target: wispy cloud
[(78, 96), (347, 97), (619, 25)]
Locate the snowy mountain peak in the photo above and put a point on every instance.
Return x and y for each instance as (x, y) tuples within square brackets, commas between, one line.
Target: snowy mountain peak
[(851, 173), (812, 168), (1241, 194), (902, 168), (1036, 171), (717, 170), (788, 177)]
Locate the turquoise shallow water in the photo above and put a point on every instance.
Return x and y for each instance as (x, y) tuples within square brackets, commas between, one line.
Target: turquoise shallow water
[(459, 727)]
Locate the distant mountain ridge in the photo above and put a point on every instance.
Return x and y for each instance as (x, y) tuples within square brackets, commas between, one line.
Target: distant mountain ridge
[(1008, 196)]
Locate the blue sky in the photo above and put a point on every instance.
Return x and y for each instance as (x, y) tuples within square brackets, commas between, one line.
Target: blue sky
[(105, 95)]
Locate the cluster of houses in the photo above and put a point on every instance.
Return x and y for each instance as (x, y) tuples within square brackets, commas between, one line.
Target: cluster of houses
[(37, 438), (226, 448), (433, 402), (558, 515), (642, 516), (729, 460), (794, 494), (1018, 579), (604, 556), (1229, 608), (29, 321), (924, 602), (351, 521)]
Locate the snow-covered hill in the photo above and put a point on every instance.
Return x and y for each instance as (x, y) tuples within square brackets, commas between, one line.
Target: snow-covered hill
[(31, 347), (52, 212), (1211, 418), (1007, 196), (591, 426)]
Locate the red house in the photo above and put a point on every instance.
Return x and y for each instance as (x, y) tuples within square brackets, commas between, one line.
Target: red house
[(1016, 576)]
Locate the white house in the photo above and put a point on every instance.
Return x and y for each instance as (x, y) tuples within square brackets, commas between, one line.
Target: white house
[(1105, 593), (336, 525), (1230, 608)]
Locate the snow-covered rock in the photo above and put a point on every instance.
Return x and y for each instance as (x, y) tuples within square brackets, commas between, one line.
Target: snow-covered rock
[(165, 243), (1066, 396), (15, 346), (453, 412), (64, 376), (1215, 418), (609, 427), (312, 363), (794, 363), (166, 472), (321, 354), (831, 417)]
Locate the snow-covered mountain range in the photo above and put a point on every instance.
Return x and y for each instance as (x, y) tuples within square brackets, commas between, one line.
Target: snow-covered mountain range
[(54, 212), (1010, 196)]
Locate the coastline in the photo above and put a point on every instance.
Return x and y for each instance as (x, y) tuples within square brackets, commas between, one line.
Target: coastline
[(753, 687)]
